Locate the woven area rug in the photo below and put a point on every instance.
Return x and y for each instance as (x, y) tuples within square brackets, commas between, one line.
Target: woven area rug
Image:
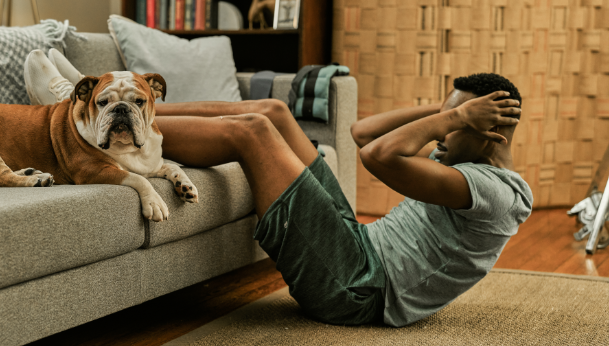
[(506, 308)]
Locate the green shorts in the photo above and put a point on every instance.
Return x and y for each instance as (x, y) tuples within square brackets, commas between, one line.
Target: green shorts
[(324, 255)]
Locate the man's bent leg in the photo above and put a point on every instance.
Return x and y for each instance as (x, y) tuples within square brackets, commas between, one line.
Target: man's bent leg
[(331, 267), (276, 110), (328, 262), (279, 114), (269, 164)]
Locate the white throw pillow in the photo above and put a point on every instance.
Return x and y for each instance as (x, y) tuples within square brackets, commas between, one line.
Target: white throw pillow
[(202, 69)]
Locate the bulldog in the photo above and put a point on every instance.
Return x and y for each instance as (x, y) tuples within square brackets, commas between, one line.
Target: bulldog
[(104, 134)]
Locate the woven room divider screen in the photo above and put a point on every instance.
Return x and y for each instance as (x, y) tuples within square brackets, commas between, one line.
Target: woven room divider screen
[(407, 52)]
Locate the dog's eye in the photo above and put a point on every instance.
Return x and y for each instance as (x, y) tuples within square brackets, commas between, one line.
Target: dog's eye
[(102, 103), (139, 102)]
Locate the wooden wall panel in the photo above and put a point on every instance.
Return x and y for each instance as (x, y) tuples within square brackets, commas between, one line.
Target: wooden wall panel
[(408, 52)]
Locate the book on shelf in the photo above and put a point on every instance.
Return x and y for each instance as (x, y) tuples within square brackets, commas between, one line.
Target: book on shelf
[(188, 14), (199, 14), (150, 13), (211, 14), (177, 14), (162, 14), (171, 25), (140, 12)]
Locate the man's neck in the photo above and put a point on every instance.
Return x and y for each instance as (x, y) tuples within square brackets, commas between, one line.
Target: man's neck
[(501, 157)]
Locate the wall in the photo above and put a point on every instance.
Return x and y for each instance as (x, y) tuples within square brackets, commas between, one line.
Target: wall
[(556, 52), (85, 15)]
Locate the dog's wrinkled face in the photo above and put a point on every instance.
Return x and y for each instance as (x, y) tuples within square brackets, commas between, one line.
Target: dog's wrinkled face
[(117, 109)]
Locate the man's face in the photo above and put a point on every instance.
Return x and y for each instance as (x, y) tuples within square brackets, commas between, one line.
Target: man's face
[(459, 146)]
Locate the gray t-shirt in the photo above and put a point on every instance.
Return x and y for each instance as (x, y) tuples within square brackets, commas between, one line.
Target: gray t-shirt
[(432, 254)]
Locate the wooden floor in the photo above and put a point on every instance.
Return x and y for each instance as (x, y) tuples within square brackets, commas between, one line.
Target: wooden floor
[(544, 243)]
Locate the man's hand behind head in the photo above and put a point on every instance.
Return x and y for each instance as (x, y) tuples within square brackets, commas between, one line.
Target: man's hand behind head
[(484, 113)]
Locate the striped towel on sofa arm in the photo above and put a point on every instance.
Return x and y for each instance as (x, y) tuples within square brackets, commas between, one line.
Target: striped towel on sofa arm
[(308, 98)]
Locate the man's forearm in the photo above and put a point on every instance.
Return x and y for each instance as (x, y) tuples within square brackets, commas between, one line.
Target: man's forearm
[(373, 127), (407, 140)]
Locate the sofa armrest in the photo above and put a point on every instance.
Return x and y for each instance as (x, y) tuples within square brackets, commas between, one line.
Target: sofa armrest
[(344, 90), (244, 84), (337, 133)]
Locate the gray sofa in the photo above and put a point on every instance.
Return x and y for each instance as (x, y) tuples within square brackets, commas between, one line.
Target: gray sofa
[(72, 254)]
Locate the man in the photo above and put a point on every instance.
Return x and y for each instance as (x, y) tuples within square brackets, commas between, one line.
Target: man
[(446, 235), (460, 209)]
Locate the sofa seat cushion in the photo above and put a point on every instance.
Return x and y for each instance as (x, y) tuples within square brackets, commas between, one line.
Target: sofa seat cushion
[(224, 196), (47, 230)]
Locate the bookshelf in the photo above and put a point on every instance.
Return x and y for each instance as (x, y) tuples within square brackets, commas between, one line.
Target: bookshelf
[(267, 49)]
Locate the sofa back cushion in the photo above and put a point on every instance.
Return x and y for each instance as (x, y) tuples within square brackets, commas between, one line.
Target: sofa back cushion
[(95, 56), (201, 69)]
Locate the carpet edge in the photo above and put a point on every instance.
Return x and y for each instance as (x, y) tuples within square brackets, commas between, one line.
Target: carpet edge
[(560, 275)]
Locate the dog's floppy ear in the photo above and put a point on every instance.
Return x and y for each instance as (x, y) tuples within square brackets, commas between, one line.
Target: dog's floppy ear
[(157, 84), (84, 89)]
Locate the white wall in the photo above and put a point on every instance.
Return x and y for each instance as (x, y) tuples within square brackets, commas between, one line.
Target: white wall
[(85, 15)]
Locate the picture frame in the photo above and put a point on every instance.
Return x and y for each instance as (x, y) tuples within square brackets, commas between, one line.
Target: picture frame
[(287, 13)]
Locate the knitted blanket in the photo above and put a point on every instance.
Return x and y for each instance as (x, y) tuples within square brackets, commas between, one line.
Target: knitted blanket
[(15, 45)]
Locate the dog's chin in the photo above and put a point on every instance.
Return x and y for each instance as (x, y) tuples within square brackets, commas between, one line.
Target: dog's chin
[(121, 141), (120, 147)]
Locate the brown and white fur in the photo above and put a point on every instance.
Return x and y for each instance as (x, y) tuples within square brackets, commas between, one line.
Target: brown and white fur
[(104, 134)]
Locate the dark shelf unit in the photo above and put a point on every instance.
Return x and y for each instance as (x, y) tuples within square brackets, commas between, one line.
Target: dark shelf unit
[(267, 49)]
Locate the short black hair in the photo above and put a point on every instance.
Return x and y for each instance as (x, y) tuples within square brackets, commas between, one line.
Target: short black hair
[(481, 84)]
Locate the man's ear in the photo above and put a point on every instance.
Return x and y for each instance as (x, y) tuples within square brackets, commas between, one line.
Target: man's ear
[(157, 84), (84, 89)]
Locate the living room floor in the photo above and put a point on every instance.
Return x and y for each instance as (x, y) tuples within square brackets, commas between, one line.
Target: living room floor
[(544, 243)]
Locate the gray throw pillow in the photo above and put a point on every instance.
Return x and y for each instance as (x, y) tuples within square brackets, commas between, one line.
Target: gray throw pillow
[(15, 45), (202, 69)]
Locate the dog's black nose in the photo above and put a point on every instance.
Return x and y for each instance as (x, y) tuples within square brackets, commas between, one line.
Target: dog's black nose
[(121, 109)]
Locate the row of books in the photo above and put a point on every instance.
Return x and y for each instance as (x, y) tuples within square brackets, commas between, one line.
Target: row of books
[(177, 14)]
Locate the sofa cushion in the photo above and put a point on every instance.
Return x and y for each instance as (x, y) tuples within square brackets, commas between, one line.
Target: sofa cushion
[(95, 56), (224, 196), (47, 230), (201, 69)]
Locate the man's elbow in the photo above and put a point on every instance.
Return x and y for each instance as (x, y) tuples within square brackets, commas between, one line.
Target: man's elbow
[(373, 155), (358, 135), (364, 155)]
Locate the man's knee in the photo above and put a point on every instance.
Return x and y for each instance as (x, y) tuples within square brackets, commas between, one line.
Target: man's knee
[(278, 112), (253, 125), (273, 108)]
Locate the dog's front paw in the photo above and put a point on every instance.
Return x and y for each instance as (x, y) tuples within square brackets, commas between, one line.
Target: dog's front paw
[(43, 180), (35, 177), (154, 208), (187, 191)]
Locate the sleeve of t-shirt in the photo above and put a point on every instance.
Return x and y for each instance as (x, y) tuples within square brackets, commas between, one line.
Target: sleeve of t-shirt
[(491, 197)]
